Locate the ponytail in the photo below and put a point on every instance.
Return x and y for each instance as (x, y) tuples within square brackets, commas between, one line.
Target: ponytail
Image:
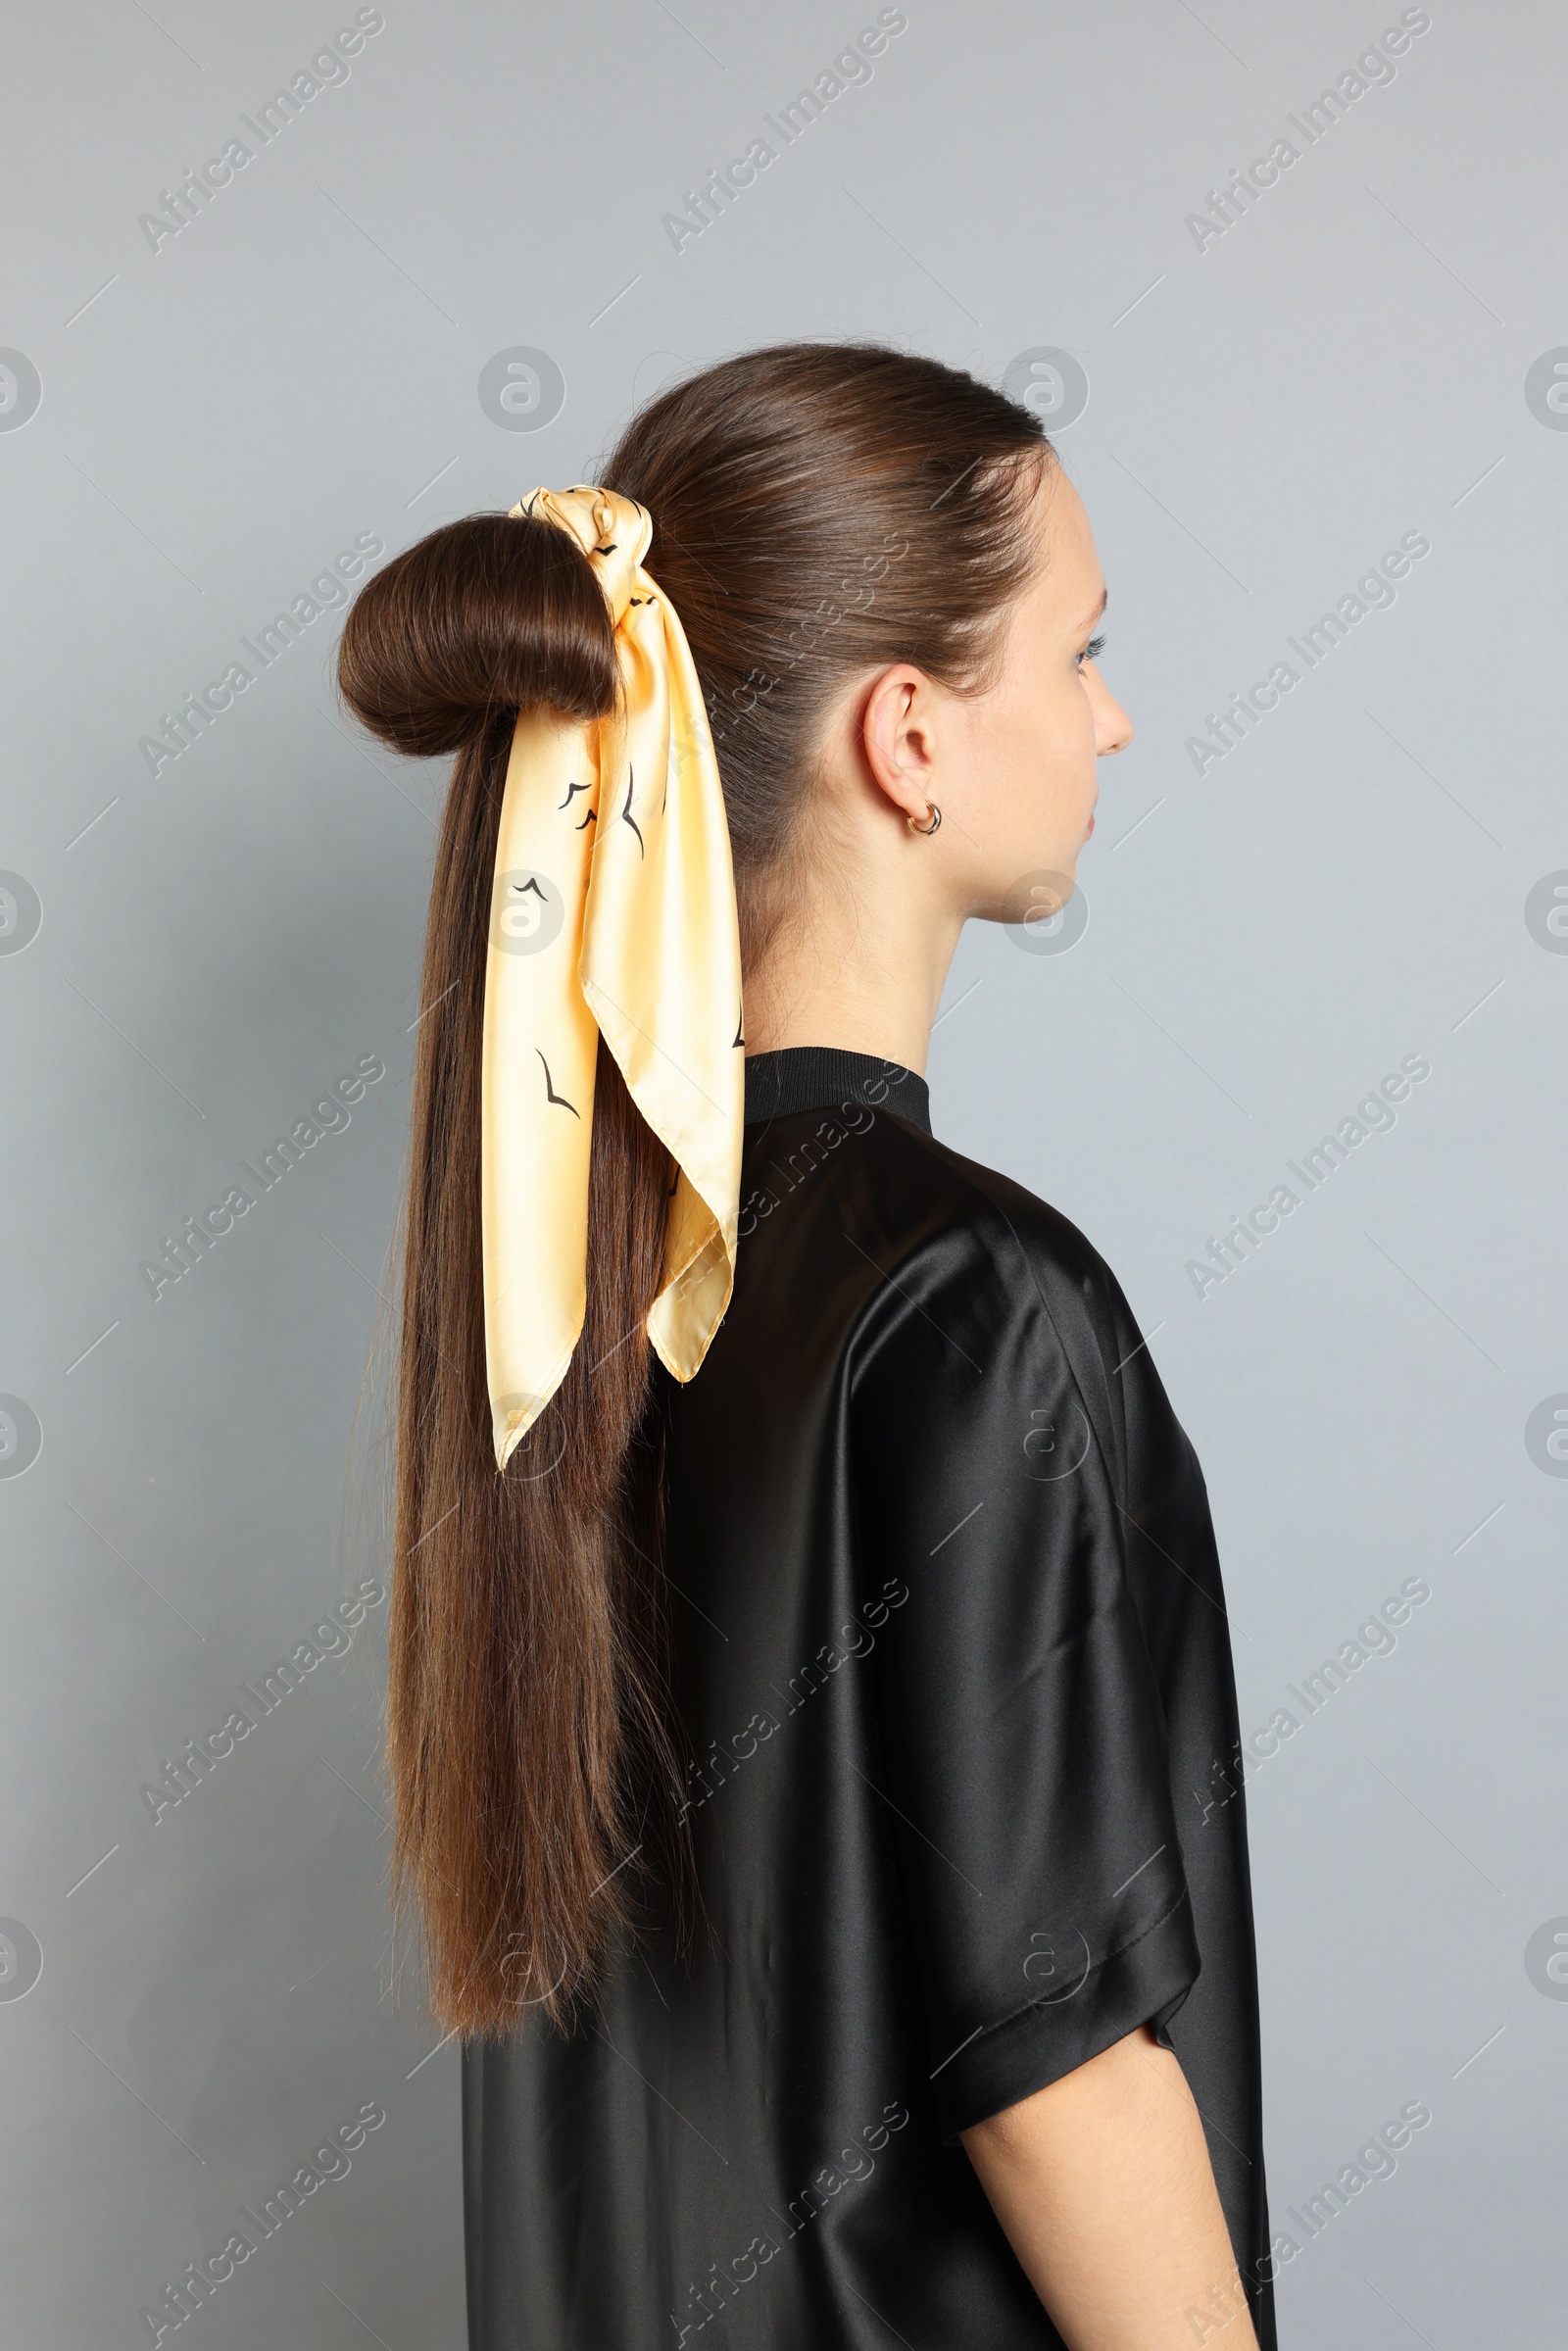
[(526, 1745), (483, 618)]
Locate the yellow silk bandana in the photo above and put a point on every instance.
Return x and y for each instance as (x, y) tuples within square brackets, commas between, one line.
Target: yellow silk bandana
[(613, 914)]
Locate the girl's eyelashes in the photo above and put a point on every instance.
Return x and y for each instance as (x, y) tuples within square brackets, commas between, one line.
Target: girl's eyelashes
[(1092, 650)]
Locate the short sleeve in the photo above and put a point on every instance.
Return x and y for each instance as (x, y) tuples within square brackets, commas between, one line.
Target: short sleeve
[(1023, 1737)]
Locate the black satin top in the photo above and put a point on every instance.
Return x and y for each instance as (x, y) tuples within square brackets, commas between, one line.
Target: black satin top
[(953, 1661)]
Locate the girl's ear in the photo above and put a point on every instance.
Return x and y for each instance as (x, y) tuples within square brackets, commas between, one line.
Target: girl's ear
[(899, 738)]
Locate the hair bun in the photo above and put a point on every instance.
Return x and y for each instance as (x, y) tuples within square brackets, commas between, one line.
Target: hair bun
[(493, 613)]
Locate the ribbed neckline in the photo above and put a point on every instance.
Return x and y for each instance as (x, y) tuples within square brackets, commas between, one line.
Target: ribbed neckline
[(819, 1077)]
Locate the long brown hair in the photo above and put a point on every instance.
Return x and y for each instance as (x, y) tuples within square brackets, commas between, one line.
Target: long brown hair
[(819, 511)]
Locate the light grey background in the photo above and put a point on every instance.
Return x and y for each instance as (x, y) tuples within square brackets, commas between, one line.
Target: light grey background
[(300, 365)]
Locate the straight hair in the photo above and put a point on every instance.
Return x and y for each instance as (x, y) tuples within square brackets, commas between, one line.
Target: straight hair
[(821, 510)]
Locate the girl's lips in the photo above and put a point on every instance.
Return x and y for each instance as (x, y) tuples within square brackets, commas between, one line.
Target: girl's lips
[(1090, 827)]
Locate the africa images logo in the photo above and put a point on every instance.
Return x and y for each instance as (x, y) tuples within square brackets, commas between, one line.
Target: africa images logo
[(1373, 592)]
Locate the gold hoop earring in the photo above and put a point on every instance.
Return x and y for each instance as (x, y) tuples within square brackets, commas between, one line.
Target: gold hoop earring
[(927, 829)]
